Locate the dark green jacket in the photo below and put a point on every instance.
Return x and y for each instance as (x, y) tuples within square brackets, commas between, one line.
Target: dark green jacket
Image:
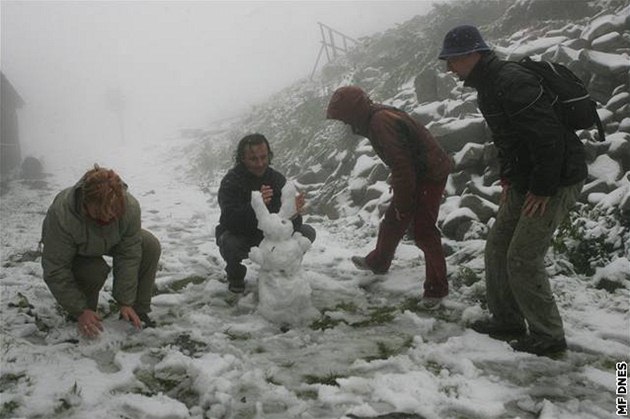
[(536, 151), (67, 232)]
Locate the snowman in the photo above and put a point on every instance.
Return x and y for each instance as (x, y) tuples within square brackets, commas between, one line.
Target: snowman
[(284, 294)]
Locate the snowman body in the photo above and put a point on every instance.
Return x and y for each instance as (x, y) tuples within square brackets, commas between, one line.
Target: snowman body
[(284, 294)]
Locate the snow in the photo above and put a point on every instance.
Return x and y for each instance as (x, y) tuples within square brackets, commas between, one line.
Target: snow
[(214, 355)]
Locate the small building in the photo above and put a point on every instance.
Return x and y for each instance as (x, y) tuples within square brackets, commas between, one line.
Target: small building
[(10, 102)]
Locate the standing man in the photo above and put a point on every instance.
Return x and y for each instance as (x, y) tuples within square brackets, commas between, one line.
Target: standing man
[(419, 168), (98, 217), (238, 231), (543, 169)]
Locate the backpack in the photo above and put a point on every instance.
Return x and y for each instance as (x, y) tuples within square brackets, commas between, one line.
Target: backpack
[(578, 110)]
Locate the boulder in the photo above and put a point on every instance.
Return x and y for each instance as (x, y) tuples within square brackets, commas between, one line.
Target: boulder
[(428, 112), (618, 101), (32, 169), (615, 66), (596, 186), (605, 168), (603, 25), (455, 134), (425, 85), (624, 125), (313, 176), (488, 193), (483, 208), (470, 157), (458, 222), (445, 85), (457, 182), (620, 149), (609, 42), (379, 172)]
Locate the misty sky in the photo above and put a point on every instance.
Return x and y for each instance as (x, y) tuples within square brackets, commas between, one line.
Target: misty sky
[(177, 64)]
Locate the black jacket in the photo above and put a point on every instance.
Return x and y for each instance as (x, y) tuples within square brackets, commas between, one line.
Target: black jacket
[(537, 152), (235, 195)]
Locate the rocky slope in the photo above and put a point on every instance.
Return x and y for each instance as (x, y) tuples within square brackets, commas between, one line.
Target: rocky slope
[(345, 181)]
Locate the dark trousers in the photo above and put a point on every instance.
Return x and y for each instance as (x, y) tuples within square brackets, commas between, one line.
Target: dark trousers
[(426, 236), (234, 248), (91, 273)]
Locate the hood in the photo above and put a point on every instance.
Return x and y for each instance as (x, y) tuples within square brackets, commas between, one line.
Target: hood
[(350, 104)]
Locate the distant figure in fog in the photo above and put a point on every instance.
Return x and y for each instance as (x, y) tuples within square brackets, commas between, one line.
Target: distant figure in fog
[(543, 169), (94, 218), (238, 231), (419, 168)]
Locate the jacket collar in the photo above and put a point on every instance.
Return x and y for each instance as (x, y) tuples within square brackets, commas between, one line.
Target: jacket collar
[(487, 65)]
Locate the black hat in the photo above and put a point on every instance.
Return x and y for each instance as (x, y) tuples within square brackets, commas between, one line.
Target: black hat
[(462, 40)]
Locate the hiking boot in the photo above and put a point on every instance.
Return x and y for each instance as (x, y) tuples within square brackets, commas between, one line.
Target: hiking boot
[(237, 287), (147, 322), (497, 330), (361, 263), (429, 303), (540, 347)]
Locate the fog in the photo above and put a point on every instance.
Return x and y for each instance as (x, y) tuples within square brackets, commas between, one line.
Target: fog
[(142, 70)]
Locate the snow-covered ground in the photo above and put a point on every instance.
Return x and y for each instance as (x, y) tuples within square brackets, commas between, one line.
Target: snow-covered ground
[(213, 356)]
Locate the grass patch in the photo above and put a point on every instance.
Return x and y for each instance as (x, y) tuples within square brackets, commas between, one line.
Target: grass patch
[(307, 394), (329, 379), (325, 322), (384, 351), (236, 336), (187, 345), (180, 284), (8, 408), (377, 316), (10, 380)]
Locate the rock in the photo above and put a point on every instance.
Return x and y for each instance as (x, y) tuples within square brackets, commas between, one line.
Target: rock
[(620, 149), (483, 208), (458, 222), (425, 85), (624, 125), (609, 42), (593, 149), (32, 169), (603, 25), (618, 101), (459, 109), (605, 168), (600, 87), (457, 182), (596, 186), (313, 176), (429, 112), (489, 193), (455, 134), (357, 188), (470, 157), (445, 85), (606, 64), (379, 172)]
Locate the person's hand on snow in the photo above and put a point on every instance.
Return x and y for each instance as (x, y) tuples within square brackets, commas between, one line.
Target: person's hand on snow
[(267, 193), (129, 314), (90, 324)]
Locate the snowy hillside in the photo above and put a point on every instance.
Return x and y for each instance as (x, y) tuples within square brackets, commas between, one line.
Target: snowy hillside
[(371, 353)]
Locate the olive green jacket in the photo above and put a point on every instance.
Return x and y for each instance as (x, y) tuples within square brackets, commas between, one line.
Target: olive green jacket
[(68, 232)]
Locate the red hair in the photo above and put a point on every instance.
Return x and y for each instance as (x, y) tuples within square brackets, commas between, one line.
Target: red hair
[(104, 191)]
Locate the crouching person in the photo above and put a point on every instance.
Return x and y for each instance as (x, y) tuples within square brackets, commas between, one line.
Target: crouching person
[(98, 217)]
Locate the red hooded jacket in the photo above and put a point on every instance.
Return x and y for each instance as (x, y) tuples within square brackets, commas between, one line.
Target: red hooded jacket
[(404, 145)]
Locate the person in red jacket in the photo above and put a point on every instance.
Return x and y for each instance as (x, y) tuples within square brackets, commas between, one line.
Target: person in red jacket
[(419, 169)]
